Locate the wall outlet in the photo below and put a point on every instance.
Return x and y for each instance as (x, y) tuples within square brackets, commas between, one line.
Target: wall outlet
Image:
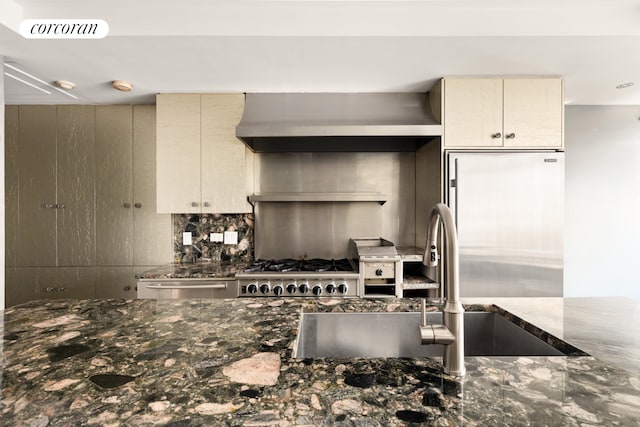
[(186, 238), (230, 237), (216, 237)]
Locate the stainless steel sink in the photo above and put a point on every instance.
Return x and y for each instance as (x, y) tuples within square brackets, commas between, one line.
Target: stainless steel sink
[(345, 335)]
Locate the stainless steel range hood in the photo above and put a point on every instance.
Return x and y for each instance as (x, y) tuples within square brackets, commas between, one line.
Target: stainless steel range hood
[(308, 122)]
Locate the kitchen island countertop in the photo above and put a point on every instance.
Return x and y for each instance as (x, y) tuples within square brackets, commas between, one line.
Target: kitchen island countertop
[(229, 362)]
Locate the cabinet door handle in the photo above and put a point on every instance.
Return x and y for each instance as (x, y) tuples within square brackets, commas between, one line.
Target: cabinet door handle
[(138, 205), (510, 135), (206, 204), (126, 205), (50, 289), (496, 135), (49, 205), (194, 204)]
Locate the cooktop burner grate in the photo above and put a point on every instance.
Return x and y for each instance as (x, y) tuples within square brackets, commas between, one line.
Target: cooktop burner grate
[(299, 265)]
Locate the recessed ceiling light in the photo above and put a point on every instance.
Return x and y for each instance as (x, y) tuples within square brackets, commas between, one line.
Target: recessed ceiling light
[(624, 85), (64, 84), (122, 85)]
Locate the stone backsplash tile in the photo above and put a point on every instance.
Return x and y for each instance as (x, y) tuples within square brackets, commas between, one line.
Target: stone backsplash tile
[(202, 248)]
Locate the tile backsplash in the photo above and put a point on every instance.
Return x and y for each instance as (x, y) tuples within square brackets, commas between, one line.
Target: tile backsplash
[(202, 248)]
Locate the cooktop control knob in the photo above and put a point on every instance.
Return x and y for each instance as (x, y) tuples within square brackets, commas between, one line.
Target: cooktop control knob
[(317, 290), (291, 288), (265, 288), (304, 288), (331, 288), (343, 288), (252, 288), (379, 272), (278, 290)]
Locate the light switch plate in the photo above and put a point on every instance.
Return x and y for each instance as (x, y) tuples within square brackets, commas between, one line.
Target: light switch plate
[(186, 238), (216, 237), (230, 237)]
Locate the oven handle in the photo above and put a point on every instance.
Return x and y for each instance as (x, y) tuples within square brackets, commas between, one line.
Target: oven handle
[(161, 286)]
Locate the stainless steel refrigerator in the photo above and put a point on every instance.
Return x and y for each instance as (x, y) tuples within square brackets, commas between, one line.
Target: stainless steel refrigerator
[(509, 211)]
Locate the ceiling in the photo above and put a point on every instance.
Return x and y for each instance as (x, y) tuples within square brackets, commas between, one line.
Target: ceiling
[(165, 46)]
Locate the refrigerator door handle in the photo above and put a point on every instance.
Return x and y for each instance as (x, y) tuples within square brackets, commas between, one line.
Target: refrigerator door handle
[(454, 186)]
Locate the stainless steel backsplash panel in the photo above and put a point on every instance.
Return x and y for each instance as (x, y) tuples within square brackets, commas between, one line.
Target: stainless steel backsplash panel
[(323, 229)]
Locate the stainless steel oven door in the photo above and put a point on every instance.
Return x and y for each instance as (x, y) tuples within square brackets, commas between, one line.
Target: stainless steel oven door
[(187, 288)]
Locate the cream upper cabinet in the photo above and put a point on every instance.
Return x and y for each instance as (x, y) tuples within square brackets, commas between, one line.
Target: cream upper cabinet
[(114, 185), (49, 178), (178, 153), (201, 166), (472, 113), (128, 229), (503, 113), (533, 113), (226, 161), (152, 233)]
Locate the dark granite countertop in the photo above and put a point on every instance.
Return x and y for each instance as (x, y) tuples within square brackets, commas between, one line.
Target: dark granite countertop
[(229, 362), (197, 270)]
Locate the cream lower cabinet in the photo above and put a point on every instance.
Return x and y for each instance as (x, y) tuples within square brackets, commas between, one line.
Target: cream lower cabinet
[(30, 283), (510, 113), (117, 282), (201, 166)]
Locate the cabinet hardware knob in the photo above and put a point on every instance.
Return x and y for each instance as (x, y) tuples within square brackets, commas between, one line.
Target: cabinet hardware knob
[(127, 205), (126, 288), (138, 205), (61, 289), (60, 206), (49, 205), (194, 204), (206, 204), (496, 135), (511, 135), (50, 289)]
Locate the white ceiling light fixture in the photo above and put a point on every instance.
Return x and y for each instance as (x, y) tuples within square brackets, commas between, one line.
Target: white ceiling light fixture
[(65, 84), (122, 85), (624, 85)]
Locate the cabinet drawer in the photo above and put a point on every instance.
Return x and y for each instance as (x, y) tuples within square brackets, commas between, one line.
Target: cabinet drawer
[(187, 288)]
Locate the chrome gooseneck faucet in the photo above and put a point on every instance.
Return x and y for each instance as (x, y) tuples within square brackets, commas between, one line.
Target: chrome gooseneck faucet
[(451, 333)]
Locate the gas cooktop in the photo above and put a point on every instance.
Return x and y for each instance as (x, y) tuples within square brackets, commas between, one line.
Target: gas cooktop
[(299, 277)]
